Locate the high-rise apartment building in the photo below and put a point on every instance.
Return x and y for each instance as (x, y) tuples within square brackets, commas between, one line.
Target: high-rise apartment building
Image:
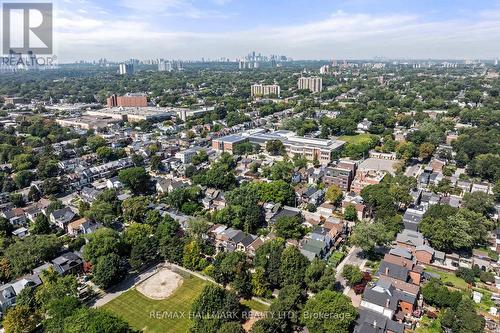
[(165, 66), (265, 90), (313, 84), (126, 69)]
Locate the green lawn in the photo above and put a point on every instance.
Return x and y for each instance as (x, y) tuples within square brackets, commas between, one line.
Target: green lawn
[(449, 278), (254, 305), (428, 325), (149, 315), (356, 139)]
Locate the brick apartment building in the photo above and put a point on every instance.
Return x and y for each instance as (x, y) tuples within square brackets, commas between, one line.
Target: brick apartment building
[(127, 100), (341, 175)]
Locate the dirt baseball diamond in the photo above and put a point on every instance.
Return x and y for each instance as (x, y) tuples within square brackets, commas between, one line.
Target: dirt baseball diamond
[(160, 285)]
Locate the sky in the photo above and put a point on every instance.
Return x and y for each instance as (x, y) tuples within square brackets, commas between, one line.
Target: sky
[(301, 29)]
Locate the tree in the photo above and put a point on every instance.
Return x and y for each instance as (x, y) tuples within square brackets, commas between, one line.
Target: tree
[(153, 218), (89, 320), (142, 252), (479, 202), (135, 208), (437, 294), (268, 256), (352, 274), (41, 225), (58, 310), (260, 287), (108, 270), (275, 147), (231, 327), (277, 191), (22, 256), (102, 242), (290, 301), (289, 227), (17, 199), (135, 178), (213, 307), (425, 150), (156, 163), (463, 318), (460, 231), (293, 266), (319, 276), (23, 178), (328, 312), (170, 240), (19, 319), (94, 142), (350, 213), (191, 258), (333, 194), (369, 235)]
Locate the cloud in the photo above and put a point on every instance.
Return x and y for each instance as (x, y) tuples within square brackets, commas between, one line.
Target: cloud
[(340, 35)]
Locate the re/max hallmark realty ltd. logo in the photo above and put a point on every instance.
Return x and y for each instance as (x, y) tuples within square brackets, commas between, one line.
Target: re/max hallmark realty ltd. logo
[(27, 35)]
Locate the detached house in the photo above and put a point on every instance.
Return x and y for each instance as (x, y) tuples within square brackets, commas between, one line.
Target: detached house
[(62, 217)]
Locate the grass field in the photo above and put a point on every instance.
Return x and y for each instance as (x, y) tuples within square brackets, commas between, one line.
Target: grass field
[(355, 139), (137, 309), (450, 278), (254, 305)]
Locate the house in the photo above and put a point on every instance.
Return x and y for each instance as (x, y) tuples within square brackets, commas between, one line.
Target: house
[(364, 125), (287, 211), (9, 291), (357, 201), (253, 247), (230, 239), (409, 239), (32, 212), (317, 198), (313, 248), (68, 263), (412, 217), (164, 185), (62, 217), (114, 183), (370, 321), (424, 254), (81, 227), (20, 232), (16, 216), (89, 194), (401, 269)]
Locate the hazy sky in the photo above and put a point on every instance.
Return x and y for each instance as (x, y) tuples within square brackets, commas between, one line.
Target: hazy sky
[(302, 29)]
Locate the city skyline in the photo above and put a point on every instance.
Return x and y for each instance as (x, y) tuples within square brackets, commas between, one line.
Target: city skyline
[(360, 29)]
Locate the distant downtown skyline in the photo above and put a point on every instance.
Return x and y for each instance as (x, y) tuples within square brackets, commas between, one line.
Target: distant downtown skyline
[(354, 29)]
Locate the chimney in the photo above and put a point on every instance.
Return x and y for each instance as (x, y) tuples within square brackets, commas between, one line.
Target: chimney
[(387, 301), (387, 271)]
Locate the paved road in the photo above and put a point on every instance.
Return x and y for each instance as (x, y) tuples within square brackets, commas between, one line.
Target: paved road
[(353, 257)]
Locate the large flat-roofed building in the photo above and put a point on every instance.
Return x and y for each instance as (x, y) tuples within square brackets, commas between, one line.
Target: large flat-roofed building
[(310, 148), (313, 84), (134, 114), (227, 143), (87, 122), (258, 90), (127, 100)]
